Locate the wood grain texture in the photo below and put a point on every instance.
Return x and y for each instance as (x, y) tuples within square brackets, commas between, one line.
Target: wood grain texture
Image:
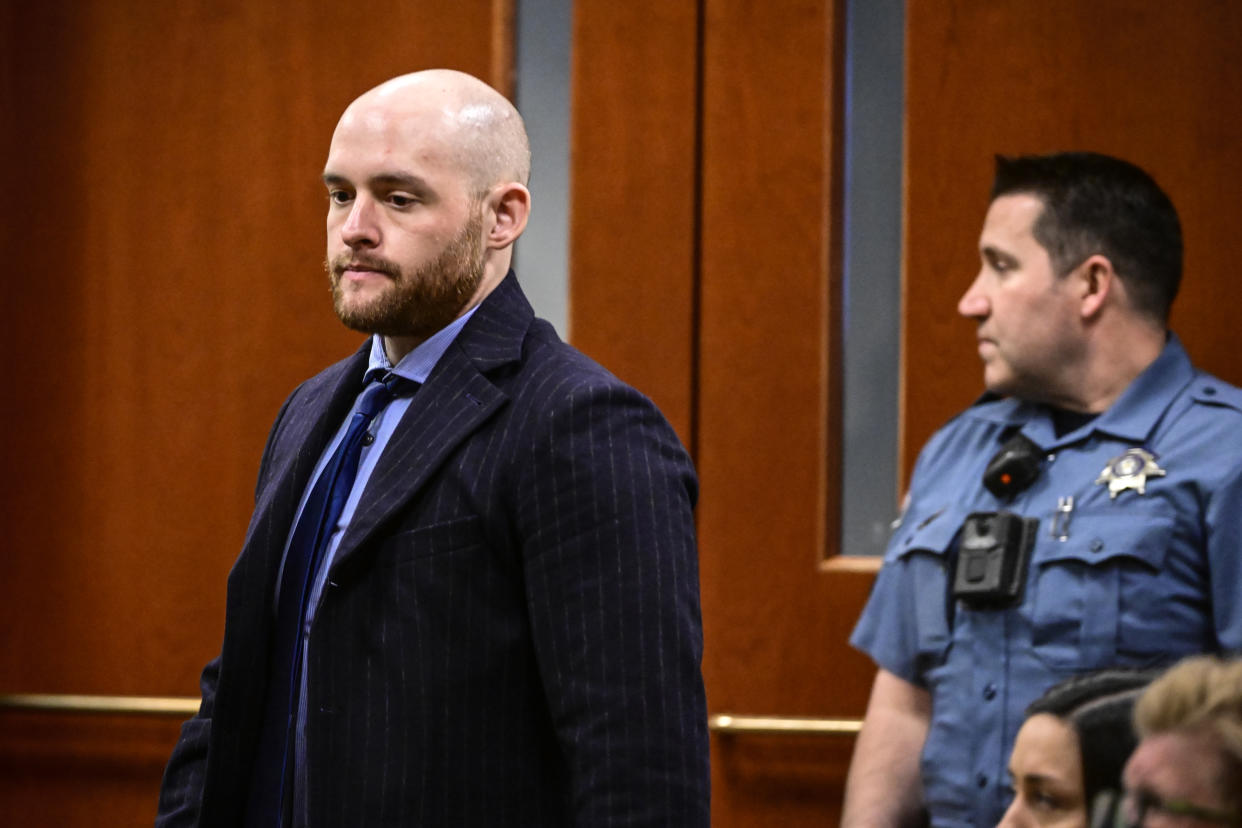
[(168, 292), (1150, 82), (633, 196), (769, 384)]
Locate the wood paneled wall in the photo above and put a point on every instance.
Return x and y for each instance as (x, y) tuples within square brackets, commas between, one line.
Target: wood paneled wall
[(705, 269), (165, 293), (711, 281), (634, 218), (1155, 83)]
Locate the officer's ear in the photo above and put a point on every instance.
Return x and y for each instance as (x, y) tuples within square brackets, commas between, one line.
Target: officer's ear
[(1096, 281)]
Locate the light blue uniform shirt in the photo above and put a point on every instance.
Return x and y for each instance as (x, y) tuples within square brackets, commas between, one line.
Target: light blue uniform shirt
[(1137, 579), (417, 365)]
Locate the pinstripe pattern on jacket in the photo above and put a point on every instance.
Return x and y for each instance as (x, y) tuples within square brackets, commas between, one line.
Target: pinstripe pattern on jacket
[(510, 634)]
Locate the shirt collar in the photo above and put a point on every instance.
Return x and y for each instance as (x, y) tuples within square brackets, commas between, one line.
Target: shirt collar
[(1137, 412), (418, 363)]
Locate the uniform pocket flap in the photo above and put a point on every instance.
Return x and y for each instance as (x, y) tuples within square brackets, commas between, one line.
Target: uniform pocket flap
[(931, 531), (1108, 534)]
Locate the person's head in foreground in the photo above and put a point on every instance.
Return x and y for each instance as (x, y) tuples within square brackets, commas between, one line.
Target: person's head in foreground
[(1187, 769), (1071, 749)]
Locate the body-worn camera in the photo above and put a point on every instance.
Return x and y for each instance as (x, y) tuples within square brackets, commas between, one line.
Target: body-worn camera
[(992, 559), (1014, 467)]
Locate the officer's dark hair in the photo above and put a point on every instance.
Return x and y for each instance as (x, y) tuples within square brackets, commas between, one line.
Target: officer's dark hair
[(1094, 203), (1099, 707)]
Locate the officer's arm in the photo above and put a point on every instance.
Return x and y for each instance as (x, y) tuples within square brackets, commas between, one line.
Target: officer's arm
[(883, 788)]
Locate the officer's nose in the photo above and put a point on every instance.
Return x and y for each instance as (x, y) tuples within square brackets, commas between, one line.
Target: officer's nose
[(974, 302)]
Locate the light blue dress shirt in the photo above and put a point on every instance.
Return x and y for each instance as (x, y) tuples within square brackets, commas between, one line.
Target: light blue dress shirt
[(1140, 578)]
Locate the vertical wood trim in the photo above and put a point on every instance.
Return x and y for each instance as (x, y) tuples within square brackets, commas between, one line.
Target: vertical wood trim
[(504, 50), (770, 381), (777, 620), (633, 196)]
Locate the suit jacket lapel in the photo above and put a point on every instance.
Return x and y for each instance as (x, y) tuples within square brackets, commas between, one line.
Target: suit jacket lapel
[(456, 399), (312, 417), (307, 423)]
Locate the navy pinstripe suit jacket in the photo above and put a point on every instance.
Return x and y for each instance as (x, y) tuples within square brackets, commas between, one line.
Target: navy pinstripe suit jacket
[(510, 635)]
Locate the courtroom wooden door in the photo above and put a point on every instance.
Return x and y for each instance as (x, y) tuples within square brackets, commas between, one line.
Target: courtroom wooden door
[(705, 256), (705, 250)]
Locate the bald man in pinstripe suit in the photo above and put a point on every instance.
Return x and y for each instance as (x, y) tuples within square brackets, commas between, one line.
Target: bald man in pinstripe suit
[(504, 629)]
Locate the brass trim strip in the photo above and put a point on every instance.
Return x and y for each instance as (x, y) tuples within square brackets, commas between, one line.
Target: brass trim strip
[(182, 706), (179, 706), (730, 725)]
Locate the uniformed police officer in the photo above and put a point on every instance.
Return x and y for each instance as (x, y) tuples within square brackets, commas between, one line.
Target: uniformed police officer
[(1087, 512)]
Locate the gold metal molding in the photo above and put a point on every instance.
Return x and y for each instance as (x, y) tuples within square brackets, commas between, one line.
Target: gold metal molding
[(726, 724), (178, 706), (730, 725)]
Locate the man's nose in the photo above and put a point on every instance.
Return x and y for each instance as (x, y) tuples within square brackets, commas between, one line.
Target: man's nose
[(360, 228), (974, 303)]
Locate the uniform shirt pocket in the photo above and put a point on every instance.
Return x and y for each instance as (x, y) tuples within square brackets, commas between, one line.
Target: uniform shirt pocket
[(922, 548), (1088, 588)]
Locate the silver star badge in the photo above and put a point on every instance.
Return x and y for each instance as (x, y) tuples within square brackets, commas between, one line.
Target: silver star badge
[(1130, 471)]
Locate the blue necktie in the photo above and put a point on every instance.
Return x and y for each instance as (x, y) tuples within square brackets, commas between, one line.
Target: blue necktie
[(269, 784)]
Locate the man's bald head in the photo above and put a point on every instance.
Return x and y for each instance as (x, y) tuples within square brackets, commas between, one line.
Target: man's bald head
[(426, 178), (473, 122)]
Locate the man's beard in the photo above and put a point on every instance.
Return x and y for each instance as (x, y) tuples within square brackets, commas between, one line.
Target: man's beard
[(414, 304)]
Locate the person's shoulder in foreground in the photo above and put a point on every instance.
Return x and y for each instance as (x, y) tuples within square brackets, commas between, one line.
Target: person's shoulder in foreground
[(498, 621)]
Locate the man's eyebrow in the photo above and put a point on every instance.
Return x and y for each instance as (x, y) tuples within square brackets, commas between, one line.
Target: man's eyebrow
[(387, 179)]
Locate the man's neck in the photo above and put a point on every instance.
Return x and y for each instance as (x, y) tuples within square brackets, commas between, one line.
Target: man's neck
[(1116, 359)]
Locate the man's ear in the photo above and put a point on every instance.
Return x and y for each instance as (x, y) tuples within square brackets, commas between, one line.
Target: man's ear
[(1097, 281), (508, 209)]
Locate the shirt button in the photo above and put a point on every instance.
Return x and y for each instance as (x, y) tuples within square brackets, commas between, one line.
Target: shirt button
[(1210, 390), (1052, 457), (989, 692), (368, 439), (1097, 545), (982, 780)]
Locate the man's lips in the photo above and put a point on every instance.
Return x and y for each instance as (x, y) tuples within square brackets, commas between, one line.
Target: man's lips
[(357, 270)]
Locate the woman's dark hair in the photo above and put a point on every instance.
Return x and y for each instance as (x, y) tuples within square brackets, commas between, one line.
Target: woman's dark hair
[(1099, 706)]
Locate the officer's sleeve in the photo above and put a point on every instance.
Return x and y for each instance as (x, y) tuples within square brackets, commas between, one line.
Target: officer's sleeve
[(904, 627), (1224, 552), (886, 631)]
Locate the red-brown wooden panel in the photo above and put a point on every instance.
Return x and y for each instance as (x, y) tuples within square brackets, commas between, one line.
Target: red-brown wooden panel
[(166, 291), (1152, 82), (633, 198), (776, 619)]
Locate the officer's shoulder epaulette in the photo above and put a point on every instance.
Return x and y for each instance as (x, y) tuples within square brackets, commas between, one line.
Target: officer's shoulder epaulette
[(1209, 390)]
